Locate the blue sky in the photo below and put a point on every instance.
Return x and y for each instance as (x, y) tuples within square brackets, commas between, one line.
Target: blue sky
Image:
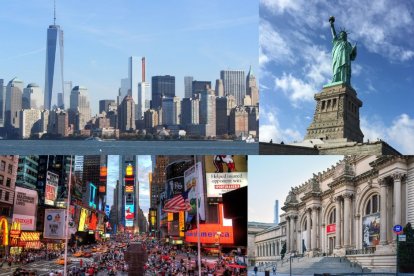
[(184, 37), (271, 178), (295, 62)]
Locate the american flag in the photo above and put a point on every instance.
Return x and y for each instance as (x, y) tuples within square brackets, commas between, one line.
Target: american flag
[(178, 203)]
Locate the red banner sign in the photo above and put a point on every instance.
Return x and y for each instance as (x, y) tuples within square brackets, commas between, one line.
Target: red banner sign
[(331, 228)]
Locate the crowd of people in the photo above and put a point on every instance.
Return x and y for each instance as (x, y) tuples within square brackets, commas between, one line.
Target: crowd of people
[(108, 258), (165, 259)]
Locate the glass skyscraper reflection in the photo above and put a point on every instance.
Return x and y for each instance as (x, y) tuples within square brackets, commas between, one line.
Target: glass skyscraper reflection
[(54, 84)]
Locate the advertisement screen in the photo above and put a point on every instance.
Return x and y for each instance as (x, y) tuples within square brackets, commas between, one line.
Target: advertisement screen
[(220, 183), (129, 211), (51, 189), (211, 234), (92, 195), (225, 173), (129, 188), (54, 227), (371, 230), (129, 223), (193, 180), (24, 211), (83, 225)]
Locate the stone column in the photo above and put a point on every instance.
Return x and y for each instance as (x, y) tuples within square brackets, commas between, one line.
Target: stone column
[(287, 234), (308, 230), (383, 211), (295, 228), (397, 197), (314, 227), (347, 218), (338, 222), (292, 234)]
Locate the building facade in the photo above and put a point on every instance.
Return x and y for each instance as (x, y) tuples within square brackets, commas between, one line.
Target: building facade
[(162, 86), (234, 83), (350, 210)]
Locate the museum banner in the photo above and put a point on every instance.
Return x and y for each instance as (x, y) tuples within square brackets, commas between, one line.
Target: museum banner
[(371, 230)]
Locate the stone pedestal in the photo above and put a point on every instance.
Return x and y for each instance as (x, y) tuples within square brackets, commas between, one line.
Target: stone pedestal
[(336, 114)]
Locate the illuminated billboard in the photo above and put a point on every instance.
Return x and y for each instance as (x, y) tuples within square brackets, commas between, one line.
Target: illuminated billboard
[(92, 195), (54, 224), (129, 171), (51, 189), (83, 223), (24, 211), (129, 211), (225, 173), (211, 234), (129, 188)]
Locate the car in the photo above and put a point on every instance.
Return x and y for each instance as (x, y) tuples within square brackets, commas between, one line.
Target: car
[(78, 254), (61, 261)]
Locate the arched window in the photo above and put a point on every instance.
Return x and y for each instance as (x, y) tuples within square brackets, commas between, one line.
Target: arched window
[(332, 217), (373, 204)]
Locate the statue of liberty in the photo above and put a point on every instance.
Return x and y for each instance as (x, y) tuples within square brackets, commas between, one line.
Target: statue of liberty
[(342, 54)]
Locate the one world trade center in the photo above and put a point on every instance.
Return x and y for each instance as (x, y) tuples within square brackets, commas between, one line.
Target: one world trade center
[(54, 84)]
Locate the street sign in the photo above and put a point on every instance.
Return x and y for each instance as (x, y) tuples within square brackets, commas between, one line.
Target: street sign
[(402, 238), (397, 229)]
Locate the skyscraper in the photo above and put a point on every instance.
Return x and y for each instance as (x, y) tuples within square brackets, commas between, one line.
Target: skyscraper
[(79, 104), (54, 81), (234, 83), (251, 87), (32, 97), (219, 88), (208, 112), (276, 219), (188, 86), (105, 104), (126, 114), (143, 90), (133, 78), (162, 86), (2, 102), (200, 86), (14, 93)]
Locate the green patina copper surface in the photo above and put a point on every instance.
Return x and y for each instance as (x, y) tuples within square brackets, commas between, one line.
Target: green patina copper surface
[(342, 55)]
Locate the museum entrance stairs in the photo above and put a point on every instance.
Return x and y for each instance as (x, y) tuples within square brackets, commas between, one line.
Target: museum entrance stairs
[(317, 265)]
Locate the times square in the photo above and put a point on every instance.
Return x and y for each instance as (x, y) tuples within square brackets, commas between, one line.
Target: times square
[(126, 215)]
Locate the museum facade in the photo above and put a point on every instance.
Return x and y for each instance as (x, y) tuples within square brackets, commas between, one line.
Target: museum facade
[(348, 210)]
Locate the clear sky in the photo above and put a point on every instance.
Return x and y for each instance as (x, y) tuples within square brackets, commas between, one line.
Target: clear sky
[(271, 178), (295, 62), (182, 37)]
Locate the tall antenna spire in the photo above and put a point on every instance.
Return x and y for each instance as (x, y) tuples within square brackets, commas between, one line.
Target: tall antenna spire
[(54, 12)]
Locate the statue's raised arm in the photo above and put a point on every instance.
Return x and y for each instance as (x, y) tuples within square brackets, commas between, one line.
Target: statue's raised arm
[(342, 54), (332, 20)]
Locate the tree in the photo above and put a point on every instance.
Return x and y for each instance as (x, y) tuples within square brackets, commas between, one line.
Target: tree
[(283, 251)]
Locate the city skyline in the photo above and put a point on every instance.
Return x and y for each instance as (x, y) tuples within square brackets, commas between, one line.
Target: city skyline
[(100, 61), (295, 62)]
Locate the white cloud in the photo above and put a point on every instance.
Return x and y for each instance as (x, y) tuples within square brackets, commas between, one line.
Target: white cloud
[(294, 88), (270, 129), (273, 47), (279, 6), (400, 134)]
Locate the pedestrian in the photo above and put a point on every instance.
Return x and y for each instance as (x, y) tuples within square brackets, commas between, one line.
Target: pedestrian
[(274, 269), (255, 270)]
